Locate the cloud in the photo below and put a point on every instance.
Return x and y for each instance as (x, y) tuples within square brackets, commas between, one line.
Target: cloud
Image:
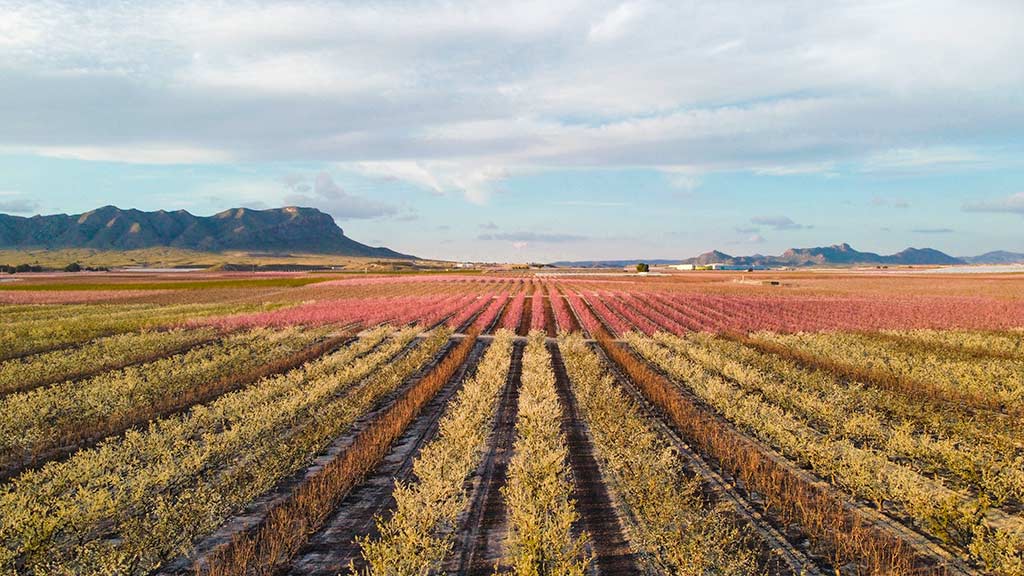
[(489, 226), (751, 239), (748, 229), (890, 202), (15, 203), (476, 183), (918, 159), (326, 195), (682, 178), (827, 168), (426, 93), (590, 203), (149, 153), (538, 237), (778, 223), (614, 24), (1013, 204), (933, 231)]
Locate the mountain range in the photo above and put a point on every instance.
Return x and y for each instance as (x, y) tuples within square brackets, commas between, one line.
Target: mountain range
[(290, 229), (835, 255)]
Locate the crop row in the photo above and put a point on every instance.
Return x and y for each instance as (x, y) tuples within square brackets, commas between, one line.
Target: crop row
[(741, 313), (987, 344), (514, 312), (538, 320), (537, 495), (833, 529), (425, 310), (948, 515), (563, 314), (419, 534), (41, 420), (987, 383), (99, 355), (12, 314), (289, 524), (467, 312), (490, 314), (960, 448), (669, 525), (58, 329), (587, 320), (132, 501)]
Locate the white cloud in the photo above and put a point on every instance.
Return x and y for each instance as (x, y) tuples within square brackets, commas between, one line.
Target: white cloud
[(901, 159), (475, 182), (682, 178), (614, 23), (427, 92), (778, 222), (796, 169), (1011, 204), (591, 204), (328, 196), (527, 236), (148, 153), (16, 203)]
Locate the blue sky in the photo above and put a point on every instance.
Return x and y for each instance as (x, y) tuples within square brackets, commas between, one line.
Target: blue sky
[(538, 132)]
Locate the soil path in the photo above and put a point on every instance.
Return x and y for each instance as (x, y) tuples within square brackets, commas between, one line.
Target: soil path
[(598, 515), (482, 528)]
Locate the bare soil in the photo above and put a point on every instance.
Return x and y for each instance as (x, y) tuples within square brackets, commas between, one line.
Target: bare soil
[(611, 551), (479, 540)]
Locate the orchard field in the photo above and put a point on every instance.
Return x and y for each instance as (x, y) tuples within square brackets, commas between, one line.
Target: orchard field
[(845, 423)]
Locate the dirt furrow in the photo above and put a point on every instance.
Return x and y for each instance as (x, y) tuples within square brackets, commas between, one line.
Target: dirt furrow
[(498, 319), (333, 548), (598, 515), (482, 528), (549, 317), (524, 323)]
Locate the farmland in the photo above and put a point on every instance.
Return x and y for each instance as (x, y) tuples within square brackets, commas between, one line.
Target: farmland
[(219, 423)]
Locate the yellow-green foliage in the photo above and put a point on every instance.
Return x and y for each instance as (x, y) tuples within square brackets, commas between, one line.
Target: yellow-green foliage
[(36, 420), (112, 351), (160, 489), (667, 522), (1008, 343), (998, 378), (537, 494), (416, 538), (63, 326), (947, 514), (973, 460)]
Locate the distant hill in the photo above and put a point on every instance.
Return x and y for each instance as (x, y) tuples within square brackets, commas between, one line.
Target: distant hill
[(996, 257), (291, 229), (835, 255)]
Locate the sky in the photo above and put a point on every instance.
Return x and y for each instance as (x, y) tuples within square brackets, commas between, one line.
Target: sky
[(536, 131)]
